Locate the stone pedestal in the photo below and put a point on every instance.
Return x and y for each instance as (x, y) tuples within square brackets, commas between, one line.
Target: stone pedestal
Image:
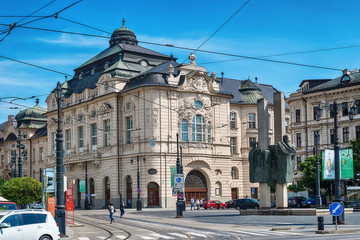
[(265, 201), (281, 196)]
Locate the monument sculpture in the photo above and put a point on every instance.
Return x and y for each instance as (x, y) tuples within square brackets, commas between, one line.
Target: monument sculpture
[(274, 165)]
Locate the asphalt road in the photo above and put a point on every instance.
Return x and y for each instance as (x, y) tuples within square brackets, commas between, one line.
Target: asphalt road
[(151, 224)]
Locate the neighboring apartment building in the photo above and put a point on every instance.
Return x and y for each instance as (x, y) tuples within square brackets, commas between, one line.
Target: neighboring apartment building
[(130, 101), (304, 127)]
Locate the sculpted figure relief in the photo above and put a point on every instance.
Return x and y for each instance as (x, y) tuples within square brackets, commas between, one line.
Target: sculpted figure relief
[(272, 166)]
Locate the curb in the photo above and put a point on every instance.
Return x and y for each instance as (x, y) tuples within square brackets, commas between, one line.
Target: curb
[(335, 231)]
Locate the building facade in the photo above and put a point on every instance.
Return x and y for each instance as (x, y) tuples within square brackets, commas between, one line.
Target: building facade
[(122, 112), (304, 127)]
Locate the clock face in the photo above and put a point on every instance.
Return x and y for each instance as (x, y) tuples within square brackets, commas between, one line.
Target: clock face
[(143, 63)]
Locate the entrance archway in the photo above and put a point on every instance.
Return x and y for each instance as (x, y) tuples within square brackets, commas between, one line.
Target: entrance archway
[(107, 191), (92, 191), (129, 192), (195, 186), (153, 194)]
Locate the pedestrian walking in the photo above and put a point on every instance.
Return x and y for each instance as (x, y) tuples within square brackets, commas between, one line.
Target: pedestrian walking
[(192, 201), (111, 212), (197, 204), (201, 202), (122, 206), (129, 203)]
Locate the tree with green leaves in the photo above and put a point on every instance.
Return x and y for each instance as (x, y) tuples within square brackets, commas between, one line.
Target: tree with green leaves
[(22, 190)]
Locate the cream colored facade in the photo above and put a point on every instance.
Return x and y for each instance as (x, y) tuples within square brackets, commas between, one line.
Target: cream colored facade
[(303, 127)]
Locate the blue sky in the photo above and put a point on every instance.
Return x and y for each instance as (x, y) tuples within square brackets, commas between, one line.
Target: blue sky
[(260, 28)]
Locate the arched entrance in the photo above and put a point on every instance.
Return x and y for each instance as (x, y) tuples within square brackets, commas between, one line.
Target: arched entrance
[(107, 190), (92, 191), (153, 194), (78, 193), (195, 186), (128, 192)]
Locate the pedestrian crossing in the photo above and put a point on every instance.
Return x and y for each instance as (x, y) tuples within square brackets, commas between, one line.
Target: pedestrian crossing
[(198, 235)]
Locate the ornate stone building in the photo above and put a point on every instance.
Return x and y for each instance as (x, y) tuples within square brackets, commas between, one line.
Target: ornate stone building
[(129, 103), (304, 127)]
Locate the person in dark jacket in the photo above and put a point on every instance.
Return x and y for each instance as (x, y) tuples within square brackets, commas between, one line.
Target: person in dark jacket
[(122, 206)]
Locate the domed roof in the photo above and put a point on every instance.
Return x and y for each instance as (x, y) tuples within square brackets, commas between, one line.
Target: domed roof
[(249, 92), (123, 35), (31, 115)]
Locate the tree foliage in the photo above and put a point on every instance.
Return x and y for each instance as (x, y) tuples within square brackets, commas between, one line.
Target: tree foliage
[(296, 188), (355, 145), (22, 190)]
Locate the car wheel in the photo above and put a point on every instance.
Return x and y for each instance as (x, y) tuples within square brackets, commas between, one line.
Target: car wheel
[(211, 207), (223, 207), (237, 207), (45, 237)]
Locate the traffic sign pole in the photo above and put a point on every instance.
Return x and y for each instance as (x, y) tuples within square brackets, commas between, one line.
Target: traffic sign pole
[(336, 209)]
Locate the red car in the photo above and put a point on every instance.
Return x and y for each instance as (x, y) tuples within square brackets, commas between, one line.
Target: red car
[(214, 204), (8, 206)]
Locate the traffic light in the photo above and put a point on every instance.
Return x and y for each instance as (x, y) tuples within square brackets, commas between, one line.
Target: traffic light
[(50, 181)]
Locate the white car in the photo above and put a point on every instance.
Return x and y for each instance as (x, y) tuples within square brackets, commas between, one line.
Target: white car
[(28, 224)]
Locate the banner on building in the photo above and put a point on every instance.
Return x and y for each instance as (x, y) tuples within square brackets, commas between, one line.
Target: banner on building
[(172, 175), (82, 185), (347, 164)]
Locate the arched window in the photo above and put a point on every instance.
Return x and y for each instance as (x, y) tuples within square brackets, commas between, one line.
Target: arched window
[(218, 190), (198, 129), (184, 130), (234, 173)]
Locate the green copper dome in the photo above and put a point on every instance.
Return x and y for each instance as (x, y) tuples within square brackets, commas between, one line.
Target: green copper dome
[(32, 117), (249, 92), (123, 35)]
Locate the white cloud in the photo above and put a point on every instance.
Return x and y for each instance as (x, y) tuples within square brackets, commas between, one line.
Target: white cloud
[(78, 41)]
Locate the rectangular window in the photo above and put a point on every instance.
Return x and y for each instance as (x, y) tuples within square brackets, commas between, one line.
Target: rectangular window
[(252, 120), (107, 133), (331, 111), (129, 129), (41, 154), (233, 145), (298, 162), (286, 125), (93, 135), (345, 110), (346, 134), (316, 137), (314, 113), (184, 130), (297, 115), (68, 140), (252, 139), (53, 143), (81, 138), (357, 132), (298, 140), (232, 120), (332, 136)]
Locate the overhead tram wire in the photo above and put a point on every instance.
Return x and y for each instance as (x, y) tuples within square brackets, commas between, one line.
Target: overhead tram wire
[(192, 49), (220, 27)]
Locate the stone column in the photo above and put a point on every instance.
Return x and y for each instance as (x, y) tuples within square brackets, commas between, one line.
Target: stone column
[(279, 132), (263, 144)]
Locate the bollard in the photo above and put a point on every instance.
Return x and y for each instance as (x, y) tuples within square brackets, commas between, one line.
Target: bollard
[(320, 223)]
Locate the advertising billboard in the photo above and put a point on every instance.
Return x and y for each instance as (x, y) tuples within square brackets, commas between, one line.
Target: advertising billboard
[(346, 164)]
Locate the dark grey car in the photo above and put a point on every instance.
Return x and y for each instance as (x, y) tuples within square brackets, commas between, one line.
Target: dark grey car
[(246, 203)]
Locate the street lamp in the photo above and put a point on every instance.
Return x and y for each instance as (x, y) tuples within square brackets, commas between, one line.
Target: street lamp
[(24, 153), (86, 203), (318, 201), (138, 202), (179, 170), (335, 108), (60, 205)]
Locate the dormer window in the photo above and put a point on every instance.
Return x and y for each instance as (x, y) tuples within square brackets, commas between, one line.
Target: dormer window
[(345, 79), (92, 71), (144, 63), (80, 76), (106, 65)]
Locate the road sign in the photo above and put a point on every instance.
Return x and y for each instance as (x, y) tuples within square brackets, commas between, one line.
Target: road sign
[(139, 190), (179, 181), (336, 209), (180, 195)]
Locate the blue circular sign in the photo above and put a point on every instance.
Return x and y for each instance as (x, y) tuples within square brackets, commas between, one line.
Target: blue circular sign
[(139, 190), (336, 209), (178, 180), (180, 195)]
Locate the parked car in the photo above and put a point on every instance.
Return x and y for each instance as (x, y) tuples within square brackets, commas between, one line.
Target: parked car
[(8, 206), (230, 203), (20, 224), (36, 205), (296, 202), (246, 203), (311, 201), (214, 204)]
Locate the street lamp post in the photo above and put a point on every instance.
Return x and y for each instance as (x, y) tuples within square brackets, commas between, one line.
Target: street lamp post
[(138, 202), (21, 147), (179, 202), (318, 201), (13, 163), (335, 108), (60, 205), (87, 206)]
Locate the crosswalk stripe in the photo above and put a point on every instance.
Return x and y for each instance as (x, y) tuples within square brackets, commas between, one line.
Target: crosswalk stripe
[(121, 236), (197, 234), (287, 233), (161, 236), (252, 233), (145, 237), (83, 238), (178, 235)]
